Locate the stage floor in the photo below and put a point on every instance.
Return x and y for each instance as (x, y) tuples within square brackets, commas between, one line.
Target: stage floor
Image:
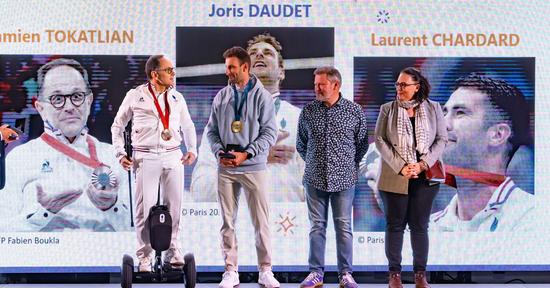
[(252, 285)]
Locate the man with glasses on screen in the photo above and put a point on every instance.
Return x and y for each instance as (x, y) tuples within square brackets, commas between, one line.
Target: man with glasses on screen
[(160, 121), (284, 165), (65, 179)]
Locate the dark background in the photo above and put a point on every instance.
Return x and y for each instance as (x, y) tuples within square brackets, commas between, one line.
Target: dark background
[(205, 45), (110, 78)]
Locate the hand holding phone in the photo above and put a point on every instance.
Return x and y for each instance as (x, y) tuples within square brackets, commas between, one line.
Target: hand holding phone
[(227, 155), (9, 133)]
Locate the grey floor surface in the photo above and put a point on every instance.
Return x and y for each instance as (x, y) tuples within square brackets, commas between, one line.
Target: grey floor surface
[(251, 285)]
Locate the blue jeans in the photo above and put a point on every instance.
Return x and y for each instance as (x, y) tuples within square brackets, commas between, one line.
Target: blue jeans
[(317, 204)]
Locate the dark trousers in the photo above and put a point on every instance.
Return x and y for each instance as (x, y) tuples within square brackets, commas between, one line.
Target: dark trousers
[(412, 209)]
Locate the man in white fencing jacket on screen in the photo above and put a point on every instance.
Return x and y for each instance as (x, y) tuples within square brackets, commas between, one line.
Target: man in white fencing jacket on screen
[(65, 179), (487, 123)]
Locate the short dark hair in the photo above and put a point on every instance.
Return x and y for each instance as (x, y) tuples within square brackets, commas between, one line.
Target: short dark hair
[(271, 40), (152, 64), (507, 99), (41, 73), (239, 53), (425, 87), (332, 73)]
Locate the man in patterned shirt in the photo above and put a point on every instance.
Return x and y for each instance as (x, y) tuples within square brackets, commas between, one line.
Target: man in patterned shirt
[(332, 139)]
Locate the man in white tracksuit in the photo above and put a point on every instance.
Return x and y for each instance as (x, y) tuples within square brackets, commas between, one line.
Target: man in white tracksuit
[(284, 166), (65, 179), (159, 118)]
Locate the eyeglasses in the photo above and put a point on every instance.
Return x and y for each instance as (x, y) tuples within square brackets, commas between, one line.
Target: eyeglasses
[(59, 100), (403, 85), (169, 70)]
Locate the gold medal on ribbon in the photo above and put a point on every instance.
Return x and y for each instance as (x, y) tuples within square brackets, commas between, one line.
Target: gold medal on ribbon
[(236, 126), (166, 134)]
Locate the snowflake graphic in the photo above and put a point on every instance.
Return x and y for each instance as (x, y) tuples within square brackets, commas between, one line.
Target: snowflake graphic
[(383, 16), (286, 224)]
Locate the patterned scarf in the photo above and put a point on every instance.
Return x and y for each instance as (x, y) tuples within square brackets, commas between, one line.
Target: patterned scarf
[(405, 147)]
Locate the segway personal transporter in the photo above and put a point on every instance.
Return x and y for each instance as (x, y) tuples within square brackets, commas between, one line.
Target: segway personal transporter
[(160, 231)]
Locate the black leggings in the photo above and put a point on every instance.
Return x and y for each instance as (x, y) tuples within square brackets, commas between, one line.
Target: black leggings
[(412, 209)]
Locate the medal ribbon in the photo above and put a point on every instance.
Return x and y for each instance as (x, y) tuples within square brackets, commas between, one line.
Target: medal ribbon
[(236, 103), (90, 161), (481, 177), (487, 178), (164, 117)]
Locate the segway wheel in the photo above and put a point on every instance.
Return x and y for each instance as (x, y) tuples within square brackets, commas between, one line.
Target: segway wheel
[(190, 270), (127, 271)]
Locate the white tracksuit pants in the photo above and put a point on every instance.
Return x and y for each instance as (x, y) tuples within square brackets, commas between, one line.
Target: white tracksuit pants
[(151, 168)]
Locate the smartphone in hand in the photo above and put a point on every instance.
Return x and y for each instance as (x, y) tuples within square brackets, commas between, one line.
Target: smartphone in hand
[(227, 155)]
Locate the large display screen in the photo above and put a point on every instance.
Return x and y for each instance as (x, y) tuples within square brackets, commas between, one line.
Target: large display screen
[(487, 65)]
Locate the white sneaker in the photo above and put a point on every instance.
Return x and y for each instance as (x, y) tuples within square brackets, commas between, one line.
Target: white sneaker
[(144, 264), (267, 280), (230, 279)]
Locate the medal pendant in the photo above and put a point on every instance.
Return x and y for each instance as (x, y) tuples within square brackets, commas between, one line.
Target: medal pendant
[(103, 178), (236, 126), (166, 135)]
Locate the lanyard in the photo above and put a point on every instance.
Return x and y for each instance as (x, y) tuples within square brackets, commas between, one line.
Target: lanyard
[(277, 104), (238, 105), (164, 117)]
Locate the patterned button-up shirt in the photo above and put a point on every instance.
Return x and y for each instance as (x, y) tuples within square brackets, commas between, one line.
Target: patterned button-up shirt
[(332, 141)]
